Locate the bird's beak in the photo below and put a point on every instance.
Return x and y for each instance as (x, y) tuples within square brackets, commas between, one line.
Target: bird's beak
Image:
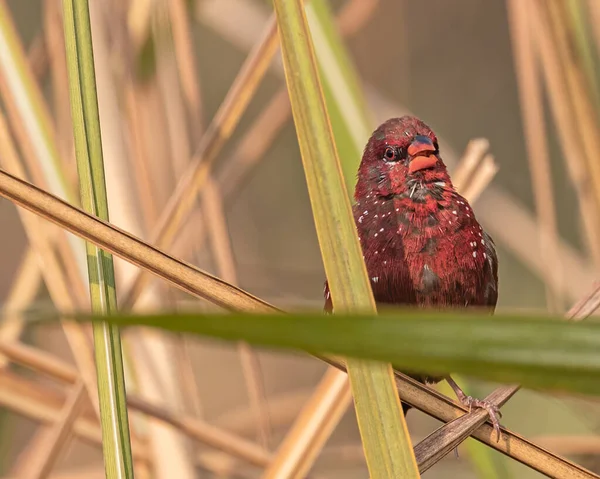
[(422, 154)]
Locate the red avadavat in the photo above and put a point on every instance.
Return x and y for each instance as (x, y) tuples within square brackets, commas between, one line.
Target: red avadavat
[(421, 242)]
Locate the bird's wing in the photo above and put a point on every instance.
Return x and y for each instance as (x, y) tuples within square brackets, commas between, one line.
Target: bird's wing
[(491, 272), (328, 308)]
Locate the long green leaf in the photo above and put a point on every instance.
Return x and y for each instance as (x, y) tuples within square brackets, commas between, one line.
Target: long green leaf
[(90, 166), (387, 445), (350, 122), (535, 351)]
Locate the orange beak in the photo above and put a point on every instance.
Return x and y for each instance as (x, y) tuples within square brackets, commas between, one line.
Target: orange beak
[(421, 151)]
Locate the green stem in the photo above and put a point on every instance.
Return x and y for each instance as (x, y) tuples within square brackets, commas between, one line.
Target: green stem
[(90, 166), (386, 442)]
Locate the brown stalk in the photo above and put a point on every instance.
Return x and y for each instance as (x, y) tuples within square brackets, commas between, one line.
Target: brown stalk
[(283, 407), (22, 292), (37, 56), (532, 112), (41, 457), (468, 164), (128, 247), (562, 68), (215, 137), (251, 148), (482, 178), (54, 36), (315, 423), (38, 403), (138, 20), (198, 430), (499, 210), (44, 404), (63, 294), (302, 443), (295, 457), (594, 9), (255, 143), (213, 209), (196, 282), (447, 438), (218, 233), (437, 405), (186, 63), (134, 109)]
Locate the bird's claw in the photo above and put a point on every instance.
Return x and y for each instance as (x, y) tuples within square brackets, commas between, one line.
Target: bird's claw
[(492, 410)]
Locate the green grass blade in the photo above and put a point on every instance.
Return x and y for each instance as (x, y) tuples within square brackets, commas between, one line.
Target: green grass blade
[(350, 122), (90, 166), (383, 430), (536, 351), (35, 118)]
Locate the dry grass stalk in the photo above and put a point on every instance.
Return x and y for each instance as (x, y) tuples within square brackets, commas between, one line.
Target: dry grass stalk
[(128, 247), (121, 244), (532, 111), (572, 117), (447, 438), (44, 404), (218, 132), (212, 207), (318, 419), (467, 166), (579, 88), (22, 292), (594, 10), (440, 407), (197, 430), (63, 293), (44, 451), (186, 63), (37, 56), (501, 212), (54, 38), (451, 434)]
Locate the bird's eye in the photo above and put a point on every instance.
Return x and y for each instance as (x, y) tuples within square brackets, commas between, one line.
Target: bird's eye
[(391, 154), (436, 146)]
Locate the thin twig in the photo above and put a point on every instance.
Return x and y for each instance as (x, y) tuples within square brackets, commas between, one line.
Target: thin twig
[(312, 428), (219, 130), (532, 112), (22, 292), (447, 438), (223, 254), (43, 454), (196, 429)]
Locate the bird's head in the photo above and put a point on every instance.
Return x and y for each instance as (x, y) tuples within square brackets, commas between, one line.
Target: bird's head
[(401, 154)]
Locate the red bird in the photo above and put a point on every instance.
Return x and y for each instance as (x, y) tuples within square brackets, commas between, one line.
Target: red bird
[(421, 242)]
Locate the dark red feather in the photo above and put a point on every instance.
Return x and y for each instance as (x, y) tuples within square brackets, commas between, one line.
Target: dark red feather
[(421, 242)]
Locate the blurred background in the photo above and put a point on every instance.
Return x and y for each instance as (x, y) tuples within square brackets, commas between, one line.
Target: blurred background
[(493, 70)]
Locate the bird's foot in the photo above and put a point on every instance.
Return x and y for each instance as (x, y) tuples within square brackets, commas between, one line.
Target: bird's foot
[(492, 410), (471, 402)]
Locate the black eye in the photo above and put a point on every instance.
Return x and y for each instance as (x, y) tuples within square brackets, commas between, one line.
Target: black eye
[(436, 146), (390, 154)]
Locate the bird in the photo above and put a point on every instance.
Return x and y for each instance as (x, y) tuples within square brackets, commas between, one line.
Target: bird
[(421, 242)]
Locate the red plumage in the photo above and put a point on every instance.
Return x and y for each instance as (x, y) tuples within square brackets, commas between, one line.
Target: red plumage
[(421, 242)]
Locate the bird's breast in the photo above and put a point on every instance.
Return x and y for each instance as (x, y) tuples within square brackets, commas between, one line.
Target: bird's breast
[(429, 256)]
